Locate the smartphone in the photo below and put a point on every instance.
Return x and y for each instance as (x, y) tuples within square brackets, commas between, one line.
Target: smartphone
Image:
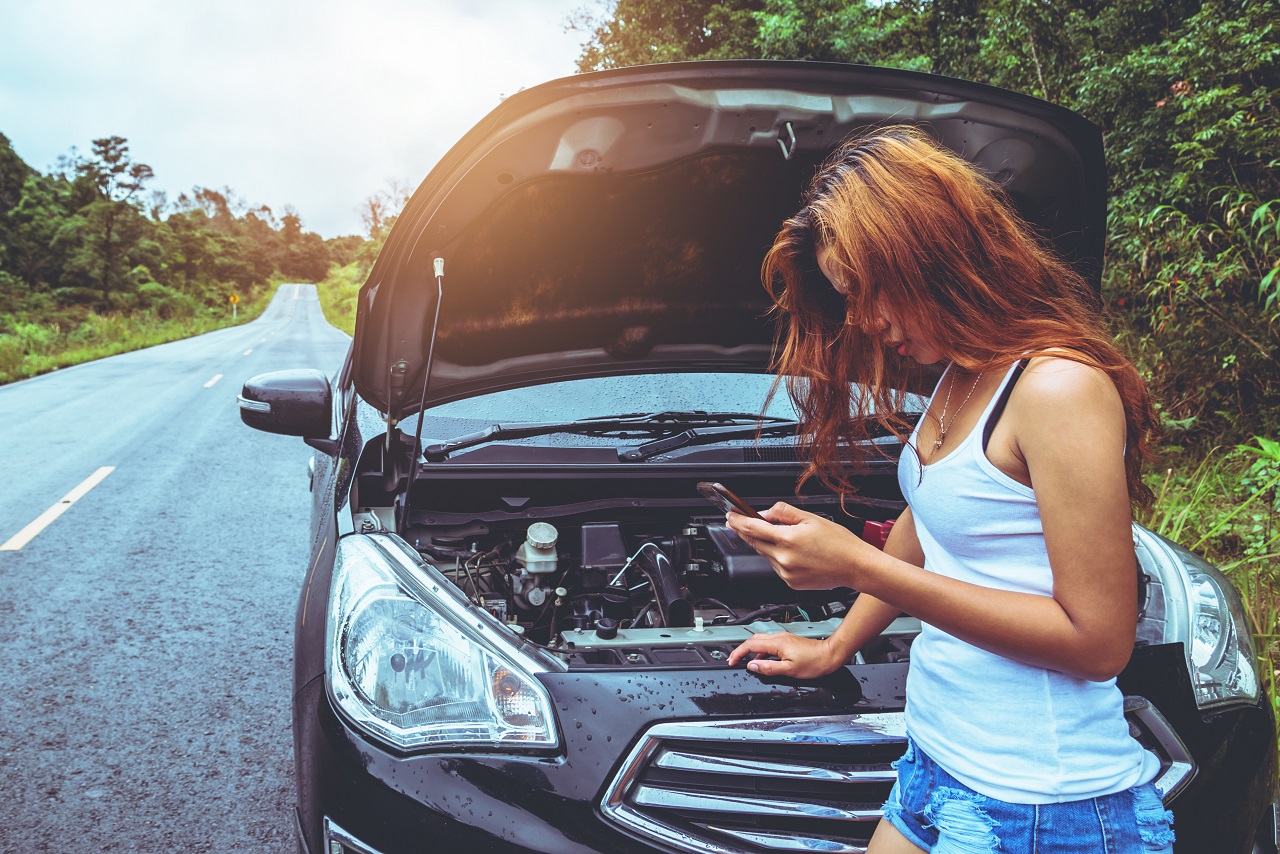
[(722, 497)]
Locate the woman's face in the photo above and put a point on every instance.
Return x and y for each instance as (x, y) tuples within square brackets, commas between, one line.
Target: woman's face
[(897, 333)]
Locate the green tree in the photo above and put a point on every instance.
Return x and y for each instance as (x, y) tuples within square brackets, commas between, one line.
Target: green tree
[(639, 32), (261, 232), (13, 175), (102, 233), (32, 225), (95, 246), (191, 250), (839, 31), (290, 227), (307, 258)]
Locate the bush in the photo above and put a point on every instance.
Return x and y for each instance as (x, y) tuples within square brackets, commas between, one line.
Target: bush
[(38, 338), (11, 290), (165, 303), (11, 356), (338, 292), (77, 296)]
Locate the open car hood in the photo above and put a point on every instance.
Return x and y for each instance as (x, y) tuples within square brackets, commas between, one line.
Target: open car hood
[(615, 222)]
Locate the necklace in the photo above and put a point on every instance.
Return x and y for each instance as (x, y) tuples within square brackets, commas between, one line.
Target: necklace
[(943, 426)]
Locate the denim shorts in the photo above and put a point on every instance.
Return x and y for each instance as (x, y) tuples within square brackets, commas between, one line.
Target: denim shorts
[(940, 814)]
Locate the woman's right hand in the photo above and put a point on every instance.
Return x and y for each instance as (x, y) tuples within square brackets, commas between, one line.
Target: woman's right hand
[(797, 657)]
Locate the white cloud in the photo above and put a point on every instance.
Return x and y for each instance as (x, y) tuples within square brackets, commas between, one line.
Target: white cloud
[(314, 104)]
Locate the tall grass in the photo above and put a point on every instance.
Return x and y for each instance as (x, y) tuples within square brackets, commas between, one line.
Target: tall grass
[(1224, 505), (338, 295), (29, 348)]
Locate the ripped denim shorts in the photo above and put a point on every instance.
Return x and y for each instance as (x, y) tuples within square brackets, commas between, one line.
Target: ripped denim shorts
[(940, 814)]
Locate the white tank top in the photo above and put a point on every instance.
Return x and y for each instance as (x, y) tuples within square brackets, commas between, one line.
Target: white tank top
[(1008, 730)]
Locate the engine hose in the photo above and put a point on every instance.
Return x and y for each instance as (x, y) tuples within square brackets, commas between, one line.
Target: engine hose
[(766, 611), (674, 609)]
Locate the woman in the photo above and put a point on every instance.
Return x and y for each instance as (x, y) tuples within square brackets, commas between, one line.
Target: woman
[(1015, 551)]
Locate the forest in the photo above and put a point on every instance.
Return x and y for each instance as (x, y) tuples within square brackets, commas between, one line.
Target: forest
[(92, 263)]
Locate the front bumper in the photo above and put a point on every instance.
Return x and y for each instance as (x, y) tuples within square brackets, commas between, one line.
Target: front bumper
[(339, 841), (571, 801)]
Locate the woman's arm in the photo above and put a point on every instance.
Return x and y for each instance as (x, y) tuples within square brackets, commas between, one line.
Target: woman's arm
[(1068, 427), (805, 658)]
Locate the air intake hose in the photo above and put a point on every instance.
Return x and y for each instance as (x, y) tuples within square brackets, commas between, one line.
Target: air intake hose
[(674, 609)]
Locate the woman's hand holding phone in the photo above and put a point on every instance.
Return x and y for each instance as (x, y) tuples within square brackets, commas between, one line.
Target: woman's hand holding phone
[(812, 553), (807, 551), (726, 499)]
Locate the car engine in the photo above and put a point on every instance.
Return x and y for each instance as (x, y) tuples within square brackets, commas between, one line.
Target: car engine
[(614, 570), (613, 586)]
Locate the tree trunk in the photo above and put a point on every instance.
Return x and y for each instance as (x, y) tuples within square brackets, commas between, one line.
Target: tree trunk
[(108, 259)]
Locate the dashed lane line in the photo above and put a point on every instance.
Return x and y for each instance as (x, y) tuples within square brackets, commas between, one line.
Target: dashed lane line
[(27, 534), (211, 383), (247, 352)]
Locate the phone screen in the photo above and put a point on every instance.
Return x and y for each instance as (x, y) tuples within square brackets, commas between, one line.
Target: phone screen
[(722, 497)]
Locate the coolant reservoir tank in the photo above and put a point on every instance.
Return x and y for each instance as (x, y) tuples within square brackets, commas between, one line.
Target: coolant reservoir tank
[(538, 552)]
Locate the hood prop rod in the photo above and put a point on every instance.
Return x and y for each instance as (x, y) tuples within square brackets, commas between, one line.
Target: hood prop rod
[(416, 451)]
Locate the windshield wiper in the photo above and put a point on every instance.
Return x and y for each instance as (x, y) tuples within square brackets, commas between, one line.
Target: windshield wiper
[(712, 434), (646, 422), (703, 436)]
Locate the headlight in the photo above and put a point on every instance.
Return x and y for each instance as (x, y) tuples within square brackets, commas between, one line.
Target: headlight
[(412, 664), (1191, 602)]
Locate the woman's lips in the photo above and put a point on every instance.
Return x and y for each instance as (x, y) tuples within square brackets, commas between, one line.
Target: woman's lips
[(901, 347)]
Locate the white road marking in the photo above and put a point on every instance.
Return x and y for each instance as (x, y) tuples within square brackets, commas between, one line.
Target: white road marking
[(297, 289), (211, 383), (247, 352), (42, 521)]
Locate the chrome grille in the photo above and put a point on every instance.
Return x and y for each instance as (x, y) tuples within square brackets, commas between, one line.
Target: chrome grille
[(801, 784)]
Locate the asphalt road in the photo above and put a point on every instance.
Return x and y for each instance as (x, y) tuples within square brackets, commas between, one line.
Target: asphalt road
[(146, 632)]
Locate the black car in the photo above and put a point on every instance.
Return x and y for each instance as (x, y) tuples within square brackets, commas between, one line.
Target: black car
[(514, 624)]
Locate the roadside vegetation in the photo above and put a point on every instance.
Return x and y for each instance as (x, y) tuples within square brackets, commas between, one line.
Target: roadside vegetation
[(1223, 502), (1187, 93), (338, 292), (339, 288), (92, 265), (29, 348)]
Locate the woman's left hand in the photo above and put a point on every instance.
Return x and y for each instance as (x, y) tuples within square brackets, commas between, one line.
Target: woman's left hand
[(807, 551)]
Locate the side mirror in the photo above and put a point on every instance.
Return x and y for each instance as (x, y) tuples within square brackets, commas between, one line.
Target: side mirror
[(293, 403)]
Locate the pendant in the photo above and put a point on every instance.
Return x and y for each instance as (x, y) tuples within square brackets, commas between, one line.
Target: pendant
[(938, 442)]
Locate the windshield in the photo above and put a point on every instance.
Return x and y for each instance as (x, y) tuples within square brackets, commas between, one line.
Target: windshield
[(600, 397), (605, 396)]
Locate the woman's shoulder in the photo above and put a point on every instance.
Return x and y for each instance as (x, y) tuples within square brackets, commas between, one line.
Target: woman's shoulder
[(1064, 384), (1065, 365)]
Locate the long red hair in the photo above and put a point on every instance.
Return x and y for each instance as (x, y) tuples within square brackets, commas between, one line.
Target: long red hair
[(909, 222)]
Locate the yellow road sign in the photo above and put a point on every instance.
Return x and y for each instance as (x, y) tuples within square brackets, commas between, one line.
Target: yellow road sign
[(234, 299)]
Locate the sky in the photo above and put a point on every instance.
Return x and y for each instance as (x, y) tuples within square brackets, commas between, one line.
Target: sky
[(314, 104)]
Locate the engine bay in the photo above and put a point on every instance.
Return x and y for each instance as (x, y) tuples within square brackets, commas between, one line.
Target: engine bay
[(612, 593), (612, 569)]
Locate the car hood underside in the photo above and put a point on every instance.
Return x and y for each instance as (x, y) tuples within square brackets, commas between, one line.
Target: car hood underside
[(616, 222)]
